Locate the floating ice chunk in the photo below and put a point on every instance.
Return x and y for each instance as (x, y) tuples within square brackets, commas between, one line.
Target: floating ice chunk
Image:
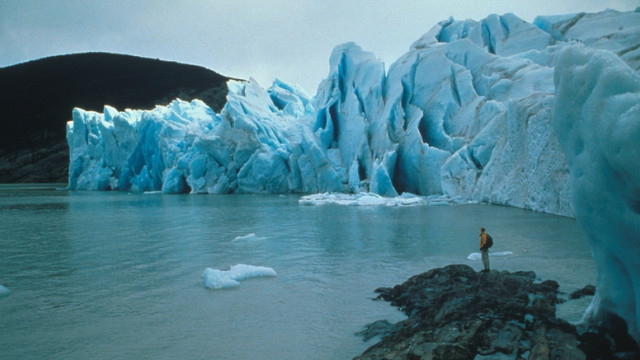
[(501, 253), (408, 199), (372, 199), (4, 291), (248, 237), (241, 272), (477, 256), (245, 237), (474, 256), (219, 279), (326, 198), (360, 199), (368, 199)]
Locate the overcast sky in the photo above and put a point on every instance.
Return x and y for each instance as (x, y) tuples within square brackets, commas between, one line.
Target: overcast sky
[(288, 39)]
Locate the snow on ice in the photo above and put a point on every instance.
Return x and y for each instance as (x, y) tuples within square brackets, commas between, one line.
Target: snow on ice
[(541, 116)]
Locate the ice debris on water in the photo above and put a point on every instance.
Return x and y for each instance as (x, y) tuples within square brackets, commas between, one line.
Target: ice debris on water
[(220, 279), (372, 199)]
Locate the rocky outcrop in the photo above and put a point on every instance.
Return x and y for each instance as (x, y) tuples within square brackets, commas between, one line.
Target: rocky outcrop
[(44, 162), (455, 312), (588, 290)]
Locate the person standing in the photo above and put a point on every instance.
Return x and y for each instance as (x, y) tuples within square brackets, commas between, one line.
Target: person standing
[(484, 248)]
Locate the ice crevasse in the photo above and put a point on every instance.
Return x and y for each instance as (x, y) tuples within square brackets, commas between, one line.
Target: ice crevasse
[(541, 116)]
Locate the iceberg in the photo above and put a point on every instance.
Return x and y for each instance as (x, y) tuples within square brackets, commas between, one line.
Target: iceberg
[(221, 279), (540, 116)]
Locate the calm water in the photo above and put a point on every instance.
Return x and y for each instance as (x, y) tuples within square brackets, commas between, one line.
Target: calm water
[(116, 275)]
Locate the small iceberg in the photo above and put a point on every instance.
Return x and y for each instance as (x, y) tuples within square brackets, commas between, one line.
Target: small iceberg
[(247, 238), (478, 256), (222, 279), (4, 291)]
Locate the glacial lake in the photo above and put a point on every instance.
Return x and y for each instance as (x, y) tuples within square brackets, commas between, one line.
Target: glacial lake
[(110, 275)]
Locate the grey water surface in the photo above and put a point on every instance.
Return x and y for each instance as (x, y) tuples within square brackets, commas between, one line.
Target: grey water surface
[(110, 275)]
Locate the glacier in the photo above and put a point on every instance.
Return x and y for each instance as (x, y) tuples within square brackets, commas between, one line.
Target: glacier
[(597, 117), (541, 116)]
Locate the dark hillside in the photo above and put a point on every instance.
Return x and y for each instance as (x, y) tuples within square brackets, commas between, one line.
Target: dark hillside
[(37, 99)]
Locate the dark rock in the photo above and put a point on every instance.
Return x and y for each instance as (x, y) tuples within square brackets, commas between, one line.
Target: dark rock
[(599, 347), (564, 345), (508, 338), (626, 355), (609, 341), (452, 352), (547, 286), (457, 313), (45, 163), (588, 290), (376, 328), (539, 343)]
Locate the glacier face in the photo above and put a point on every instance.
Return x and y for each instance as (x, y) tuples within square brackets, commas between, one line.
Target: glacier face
[(540, 116), (465, 113), (596, 115), (186, 147)]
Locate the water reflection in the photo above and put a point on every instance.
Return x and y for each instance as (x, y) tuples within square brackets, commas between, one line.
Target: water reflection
[(50, 206)]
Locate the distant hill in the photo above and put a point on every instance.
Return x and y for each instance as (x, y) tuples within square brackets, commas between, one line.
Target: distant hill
[(37, 99)]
